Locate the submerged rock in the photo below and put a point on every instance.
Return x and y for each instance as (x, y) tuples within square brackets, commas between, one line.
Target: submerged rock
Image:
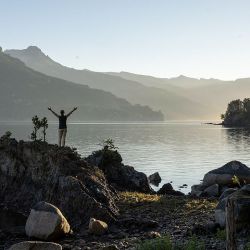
[(155, 179), (34, 171), (36, 245), (122, 177), (46, 222)]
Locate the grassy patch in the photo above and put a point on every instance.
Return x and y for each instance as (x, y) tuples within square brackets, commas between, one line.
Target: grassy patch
[(165, 243), (165, 203)]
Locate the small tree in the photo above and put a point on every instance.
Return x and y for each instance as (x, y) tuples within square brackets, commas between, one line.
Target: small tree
[(37, 125), (6, 136), (44, 126), (108, 144)]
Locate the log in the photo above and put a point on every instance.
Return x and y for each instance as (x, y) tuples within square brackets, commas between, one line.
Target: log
[(230, 225)]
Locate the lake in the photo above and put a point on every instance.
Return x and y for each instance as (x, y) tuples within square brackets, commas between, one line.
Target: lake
[(182, 152)]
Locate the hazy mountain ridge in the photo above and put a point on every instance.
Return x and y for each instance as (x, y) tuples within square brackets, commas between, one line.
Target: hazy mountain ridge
[(169, 100), (173, 84), (213, 93), (27, 92)]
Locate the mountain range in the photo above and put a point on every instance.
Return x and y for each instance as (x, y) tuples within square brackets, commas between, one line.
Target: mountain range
[(173, 105), (26, 92), (178, 98)]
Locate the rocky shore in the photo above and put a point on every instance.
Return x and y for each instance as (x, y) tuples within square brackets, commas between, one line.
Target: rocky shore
[(55, 199)]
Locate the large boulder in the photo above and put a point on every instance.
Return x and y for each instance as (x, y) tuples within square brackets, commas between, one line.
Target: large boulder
[(242, 208), (36, 245), (35, 171), (223, 175), (46, 222), (122, 177), (155, 179)]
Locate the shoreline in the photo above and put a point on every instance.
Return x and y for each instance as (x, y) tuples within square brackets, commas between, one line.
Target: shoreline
[(118, 195)]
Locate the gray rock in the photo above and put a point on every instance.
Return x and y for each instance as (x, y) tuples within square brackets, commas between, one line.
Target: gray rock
[(197, 190), (227, 192), (246, 188), (155, 179), (212, 191), (36, 245), (223, 176), (220, 216), (242, 208), (46, 222)]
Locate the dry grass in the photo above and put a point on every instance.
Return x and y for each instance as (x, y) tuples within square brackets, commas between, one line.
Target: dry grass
[(162, 202)]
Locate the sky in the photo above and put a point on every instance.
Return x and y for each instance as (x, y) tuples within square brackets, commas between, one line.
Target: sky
[(164, 38)]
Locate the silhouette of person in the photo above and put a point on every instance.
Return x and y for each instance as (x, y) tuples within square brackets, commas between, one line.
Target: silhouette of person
[(62, 131)]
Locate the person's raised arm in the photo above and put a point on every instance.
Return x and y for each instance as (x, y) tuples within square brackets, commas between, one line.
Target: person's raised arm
[(74, 109), (53, 112)]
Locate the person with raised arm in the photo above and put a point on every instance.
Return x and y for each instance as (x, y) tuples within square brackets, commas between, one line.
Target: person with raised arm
[(62, 131)]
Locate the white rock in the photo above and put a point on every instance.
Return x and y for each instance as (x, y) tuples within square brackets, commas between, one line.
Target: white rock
[(46, 222)]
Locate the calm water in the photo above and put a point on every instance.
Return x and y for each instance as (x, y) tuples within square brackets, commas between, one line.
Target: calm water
[(180, 152)]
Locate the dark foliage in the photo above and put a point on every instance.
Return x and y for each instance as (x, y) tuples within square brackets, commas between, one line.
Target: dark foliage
[(238, 113)]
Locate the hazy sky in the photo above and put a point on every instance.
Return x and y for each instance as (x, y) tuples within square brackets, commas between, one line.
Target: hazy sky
[(199, 38)]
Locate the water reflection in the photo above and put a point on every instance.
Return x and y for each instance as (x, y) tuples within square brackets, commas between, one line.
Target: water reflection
[(238, 137)]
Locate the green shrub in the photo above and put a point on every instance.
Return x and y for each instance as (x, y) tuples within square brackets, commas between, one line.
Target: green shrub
[(163, 243), (221, 234), (194, 244)]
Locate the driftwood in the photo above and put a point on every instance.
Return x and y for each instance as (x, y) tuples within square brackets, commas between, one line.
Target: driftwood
[(230, 225)]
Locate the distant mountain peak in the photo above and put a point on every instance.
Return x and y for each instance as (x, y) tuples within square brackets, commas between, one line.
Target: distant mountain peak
[(181, 76), (34, 50), (29, 51)]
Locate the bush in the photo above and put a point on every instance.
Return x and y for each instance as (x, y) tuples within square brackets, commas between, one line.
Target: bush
[(108, 144), (6, 136), (221, 234), (194, 244)]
